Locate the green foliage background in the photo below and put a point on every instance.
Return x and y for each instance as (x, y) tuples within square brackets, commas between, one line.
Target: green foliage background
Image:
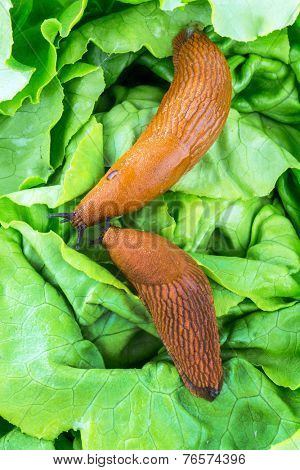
[(81, 364)]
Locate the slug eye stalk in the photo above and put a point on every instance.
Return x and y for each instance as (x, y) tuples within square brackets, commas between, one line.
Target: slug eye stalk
[(103, 230), (67, 217)]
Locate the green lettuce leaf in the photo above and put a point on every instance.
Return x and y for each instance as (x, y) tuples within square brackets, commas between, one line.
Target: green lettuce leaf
[(292, 443), (131, 29), (269, 271), (81, 94), (112, 64), (269, 340), (89, 287), (25, 141), (121, 342), (245, 161), (126, 121), (81, 362), (233, 19), (34, 44), (273, 46), (218, 226), (50, 370), (14, 76), (294, 36), (267, 86), (16, 440), (289, 190), (82, 170), (192, 423)]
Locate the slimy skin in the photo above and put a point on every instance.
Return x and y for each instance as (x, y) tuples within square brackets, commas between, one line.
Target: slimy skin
[(188, 121), (179, 297)]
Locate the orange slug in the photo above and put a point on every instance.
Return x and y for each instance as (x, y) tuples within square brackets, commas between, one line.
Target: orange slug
[(188, 121), (179, 297)]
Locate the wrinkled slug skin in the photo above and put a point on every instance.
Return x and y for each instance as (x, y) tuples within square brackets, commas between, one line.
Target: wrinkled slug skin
[(179, 297), (188, 121)]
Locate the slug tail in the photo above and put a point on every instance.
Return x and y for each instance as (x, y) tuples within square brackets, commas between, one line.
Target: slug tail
[(184, 315), (208, 393), (182, 38)]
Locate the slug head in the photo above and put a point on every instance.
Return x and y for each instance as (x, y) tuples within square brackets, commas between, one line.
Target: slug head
[(143, 256)]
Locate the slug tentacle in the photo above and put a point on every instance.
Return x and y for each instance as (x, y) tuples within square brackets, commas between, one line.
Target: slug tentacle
[(66, 216), (80, 232), (179, 297), (76, 222), (103, 230)]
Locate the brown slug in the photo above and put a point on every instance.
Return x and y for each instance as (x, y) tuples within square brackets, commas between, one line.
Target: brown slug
[(179, 297), (188, 121)]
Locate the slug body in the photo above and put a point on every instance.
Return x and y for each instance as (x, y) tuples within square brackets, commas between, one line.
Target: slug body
[(188, 121), (179, 297)]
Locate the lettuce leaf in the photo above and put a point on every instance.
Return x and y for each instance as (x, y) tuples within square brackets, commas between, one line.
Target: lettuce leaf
[(34, 43), (292, 443), (81, 362), (80, 96), (50, 370), (245, 161), (232, 19), (25, 141), (16, 440), (258, 338), (131, 29)]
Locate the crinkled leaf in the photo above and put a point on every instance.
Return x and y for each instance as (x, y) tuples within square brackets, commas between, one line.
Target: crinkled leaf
[(274, 46), (274, 240), (217, 225), (83, 168), (122, 126), (131, 29), (234, 19), (89, 287), (294, 37), (49, 368), (192, 423), (243, 163), (112, 64), (268, 275), (269, 340), (267, 86), (289, 190), (78, 70), (14, 76), (34, 45), (80, 96), (25, 141), (121, 343)]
